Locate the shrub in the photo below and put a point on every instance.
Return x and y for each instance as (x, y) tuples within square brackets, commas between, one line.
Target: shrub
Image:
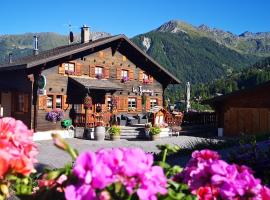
[(155, 130), (55, 115), (115, 130)]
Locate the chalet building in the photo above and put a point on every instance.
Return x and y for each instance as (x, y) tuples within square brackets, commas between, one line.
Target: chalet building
[(245, 111), (118, 77)]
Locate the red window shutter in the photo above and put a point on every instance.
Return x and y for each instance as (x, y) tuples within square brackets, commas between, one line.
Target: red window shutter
[(104, 107), (118, 73), (159, 101), (147, 104), (65, 103), (78, 69), (131, 74), (42, 102), (139, 104), (61, 69), (25, 102), (92, 71), (141, 76), (106, 72)]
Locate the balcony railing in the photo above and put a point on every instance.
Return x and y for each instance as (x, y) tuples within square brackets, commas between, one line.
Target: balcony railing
[(92, 119)]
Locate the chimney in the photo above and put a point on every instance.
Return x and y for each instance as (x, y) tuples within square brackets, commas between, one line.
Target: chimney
[(85, 34), (35, 45), (10, 57)]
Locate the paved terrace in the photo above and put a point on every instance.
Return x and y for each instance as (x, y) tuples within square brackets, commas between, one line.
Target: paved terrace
[(54, 157)]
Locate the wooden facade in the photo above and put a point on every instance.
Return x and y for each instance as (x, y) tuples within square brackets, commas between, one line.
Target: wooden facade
[(245, 111), (105, 69)]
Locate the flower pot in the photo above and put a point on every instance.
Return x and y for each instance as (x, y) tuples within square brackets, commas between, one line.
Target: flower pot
[(115, 137), (99, 133), (155, 137)]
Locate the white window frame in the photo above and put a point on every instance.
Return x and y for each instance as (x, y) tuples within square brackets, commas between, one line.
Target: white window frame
[(69, 67), (109, 103), (124, 73), (132, 102), (59, 104), (153, 103), (145, 76), (98, 70), (49, 101)]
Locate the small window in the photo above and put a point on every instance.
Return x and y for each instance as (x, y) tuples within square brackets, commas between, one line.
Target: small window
[(20, 103), (124, 73), (58, 102), (78, 108), (109, 103), (50, 101), (132, 103), (145, 76), (153, 103), (69, 68), (99, 72)]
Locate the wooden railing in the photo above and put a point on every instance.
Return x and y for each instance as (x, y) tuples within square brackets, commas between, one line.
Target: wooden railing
[(172, 119), (92, 119), (200, 118)]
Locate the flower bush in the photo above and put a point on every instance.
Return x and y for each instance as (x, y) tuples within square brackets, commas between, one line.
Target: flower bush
[(125, 79), (146, 81), (99, 76), (55, 115), (209, 177), (17, 153)]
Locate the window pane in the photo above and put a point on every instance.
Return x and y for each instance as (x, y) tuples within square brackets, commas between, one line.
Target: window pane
[(49, 101), (153, 103), (132, 103), (58, 101), (109, 103), (145, 76), (124, 73)]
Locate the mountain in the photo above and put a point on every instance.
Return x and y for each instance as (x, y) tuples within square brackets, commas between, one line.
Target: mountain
[(254, 75), (21, 45), (191, 57), (245, 43)]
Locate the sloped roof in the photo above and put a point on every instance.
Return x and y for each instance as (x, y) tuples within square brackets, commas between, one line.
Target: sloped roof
[(95, 84), (67, 50)]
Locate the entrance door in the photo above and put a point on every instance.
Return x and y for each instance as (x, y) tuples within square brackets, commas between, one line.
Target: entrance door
[(6, 103)]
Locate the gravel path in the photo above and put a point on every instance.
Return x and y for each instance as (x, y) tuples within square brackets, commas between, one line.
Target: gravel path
[(49, 155)]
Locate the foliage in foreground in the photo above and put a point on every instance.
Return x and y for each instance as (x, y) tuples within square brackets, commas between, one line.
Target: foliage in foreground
[(121, 173)]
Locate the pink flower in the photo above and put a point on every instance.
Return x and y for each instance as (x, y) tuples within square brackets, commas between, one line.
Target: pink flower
[(4, 160), (16, 141)]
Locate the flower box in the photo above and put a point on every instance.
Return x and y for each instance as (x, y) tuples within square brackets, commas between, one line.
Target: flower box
[(125, 79), (55, 115)]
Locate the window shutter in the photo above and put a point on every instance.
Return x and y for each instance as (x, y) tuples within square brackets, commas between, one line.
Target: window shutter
[(139, 104), (104, 107), (147, 104), (159, 101), (25, 102), (122, 104), (131, 74), (65, 103), (141, 76), (78, 69), (61, 68), (42, 102), (118, 73), (92, 71), (106, 72)]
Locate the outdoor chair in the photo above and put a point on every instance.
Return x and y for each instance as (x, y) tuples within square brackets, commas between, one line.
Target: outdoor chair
[(122, 120), (132, 120), (143, 119)]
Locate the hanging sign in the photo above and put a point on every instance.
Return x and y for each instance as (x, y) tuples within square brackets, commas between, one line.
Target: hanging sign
[(142, 90), (41, 82)]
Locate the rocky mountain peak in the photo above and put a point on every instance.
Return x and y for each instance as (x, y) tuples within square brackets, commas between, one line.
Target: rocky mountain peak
[(175, 26)]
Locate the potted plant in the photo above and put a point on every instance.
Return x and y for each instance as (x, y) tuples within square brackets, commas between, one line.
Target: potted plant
[(154, 132), (55, 115), (115, 132), (125, 79)]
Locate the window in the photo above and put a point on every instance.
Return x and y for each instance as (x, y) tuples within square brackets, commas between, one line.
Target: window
[(153, 103), (78, 108), (145, 76), (50, 101), (109, 103), (20, 103), (98, 72), (58, 102), (69, 68), (132, 103), (124, 73)]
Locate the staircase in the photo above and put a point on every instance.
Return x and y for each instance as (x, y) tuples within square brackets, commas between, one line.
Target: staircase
[(132, 132)]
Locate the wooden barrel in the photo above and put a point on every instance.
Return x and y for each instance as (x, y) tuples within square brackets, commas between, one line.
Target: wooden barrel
[(99, 133)]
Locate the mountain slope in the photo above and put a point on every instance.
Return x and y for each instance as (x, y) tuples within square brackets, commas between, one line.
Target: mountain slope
[(192, 58), (245, 43)]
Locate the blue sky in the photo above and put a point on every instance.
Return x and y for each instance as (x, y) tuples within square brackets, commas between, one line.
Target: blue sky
[(131, 17)]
